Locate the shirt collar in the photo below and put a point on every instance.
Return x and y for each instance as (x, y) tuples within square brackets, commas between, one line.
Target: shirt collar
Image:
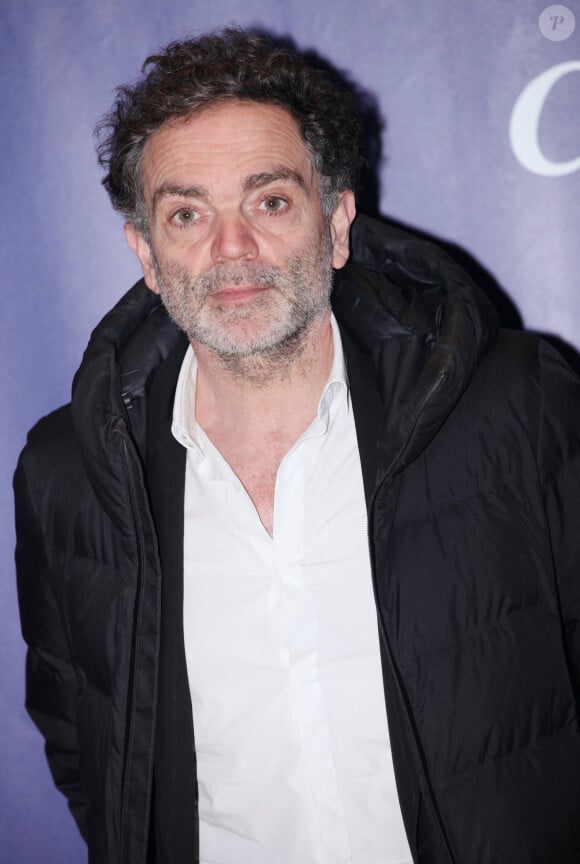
[(187, 431), (337, 381), (184, 427)]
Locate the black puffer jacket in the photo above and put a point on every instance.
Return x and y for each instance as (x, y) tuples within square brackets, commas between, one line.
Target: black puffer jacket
[(470, 446)]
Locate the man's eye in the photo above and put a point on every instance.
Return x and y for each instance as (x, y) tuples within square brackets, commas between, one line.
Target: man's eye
[(185, 216), (274, 204)]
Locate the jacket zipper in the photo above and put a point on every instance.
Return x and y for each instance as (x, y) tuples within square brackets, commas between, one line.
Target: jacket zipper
[(383, 629), (435, 386), (128, 739)]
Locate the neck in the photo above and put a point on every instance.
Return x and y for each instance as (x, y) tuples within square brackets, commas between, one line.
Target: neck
[(267, 389)]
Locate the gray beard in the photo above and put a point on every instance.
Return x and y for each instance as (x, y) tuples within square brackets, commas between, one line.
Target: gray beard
[(297, 295)]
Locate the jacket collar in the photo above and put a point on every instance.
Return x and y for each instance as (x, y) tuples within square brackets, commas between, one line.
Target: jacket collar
[(110, 388), (415, 322)]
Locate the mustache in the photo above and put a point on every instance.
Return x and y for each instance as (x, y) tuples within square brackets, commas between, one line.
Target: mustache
[(222, 275)]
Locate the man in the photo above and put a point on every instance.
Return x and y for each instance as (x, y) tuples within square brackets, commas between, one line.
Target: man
[(192, 529)]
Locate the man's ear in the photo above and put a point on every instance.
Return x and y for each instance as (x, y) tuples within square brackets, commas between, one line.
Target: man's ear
[(340, 223), (139, 245)]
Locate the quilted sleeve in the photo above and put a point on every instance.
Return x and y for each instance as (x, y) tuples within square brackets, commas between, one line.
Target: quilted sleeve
[(559, 466), (50, 677)]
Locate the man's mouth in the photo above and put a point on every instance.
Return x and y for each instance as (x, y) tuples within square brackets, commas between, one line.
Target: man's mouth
[(238, 293)]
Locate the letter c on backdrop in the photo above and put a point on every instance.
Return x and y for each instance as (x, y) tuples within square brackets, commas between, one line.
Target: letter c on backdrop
[(525, 121)]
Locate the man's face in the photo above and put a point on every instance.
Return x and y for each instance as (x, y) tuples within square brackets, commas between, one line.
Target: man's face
[(238, 247)]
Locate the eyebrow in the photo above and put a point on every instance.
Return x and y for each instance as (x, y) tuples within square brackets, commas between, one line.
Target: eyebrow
[(169, 189), (256, 181), (253, 181)]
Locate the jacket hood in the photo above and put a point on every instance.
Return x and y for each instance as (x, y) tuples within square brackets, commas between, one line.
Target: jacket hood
[(407, 307), (424, 326)]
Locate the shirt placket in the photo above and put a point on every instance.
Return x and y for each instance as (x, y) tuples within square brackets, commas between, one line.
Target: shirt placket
[(301, 648)]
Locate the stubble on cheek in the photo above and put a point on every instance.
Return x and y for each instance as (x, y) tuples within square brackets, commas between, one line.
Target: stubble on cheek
[(293, 295)]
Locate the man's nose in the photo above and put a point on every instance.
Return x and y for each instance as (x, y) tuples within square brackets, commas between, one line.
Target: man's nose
[(233, 239)]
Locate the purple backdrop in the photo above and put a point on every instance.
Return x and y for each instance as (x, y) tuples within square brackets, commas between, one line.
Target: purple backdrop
[(482, 150)]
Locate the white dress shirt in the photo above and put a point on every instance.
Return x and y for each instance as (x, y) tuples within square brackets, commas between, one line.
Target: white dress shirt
[(293, 757)]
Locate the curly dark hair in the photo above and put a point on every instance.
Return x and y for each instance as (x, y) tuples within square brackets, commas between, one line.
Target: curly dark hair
[(232, 63)]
